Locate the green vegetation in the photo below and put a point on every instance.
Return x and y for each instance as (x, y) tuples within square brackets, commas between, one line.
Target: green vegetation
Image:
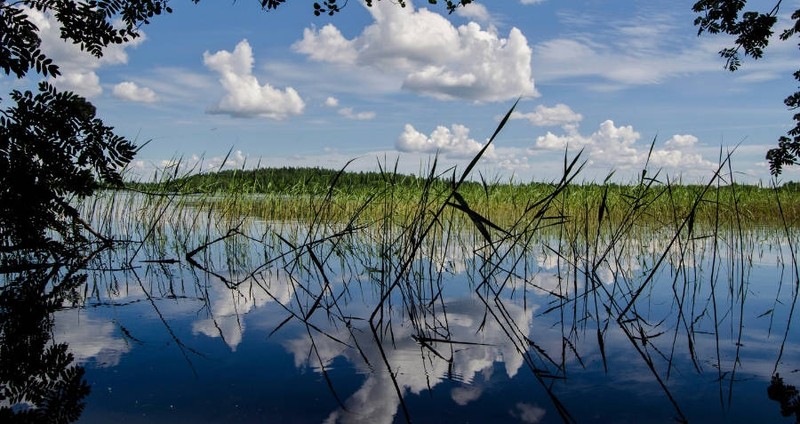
[(289, 194)]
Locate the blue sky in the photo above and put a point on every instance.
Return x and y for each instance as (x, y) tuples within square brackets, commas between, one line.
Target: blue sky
[(286, 88)]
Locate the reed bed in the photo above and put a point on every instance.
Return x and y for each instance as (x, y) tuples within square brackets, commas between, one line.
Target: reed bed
[(499, 202)]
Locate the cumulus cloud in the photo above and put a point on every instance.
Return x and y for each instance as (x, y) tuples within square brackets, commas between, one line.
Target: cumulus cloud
[(558, 115), (77, 66), (453, 142), (615, 146), (130, 91), (432, 56), (245, 96)]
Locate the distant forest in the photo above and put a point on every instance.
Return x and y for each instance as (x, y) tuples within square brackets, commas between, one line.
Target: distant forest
[(313, 180), (288, 180)]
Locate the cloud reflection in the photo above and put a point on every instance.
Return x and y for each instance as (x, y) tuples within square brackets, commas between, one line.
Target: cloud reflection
[(417, 368), (228, 306), (89, 338)]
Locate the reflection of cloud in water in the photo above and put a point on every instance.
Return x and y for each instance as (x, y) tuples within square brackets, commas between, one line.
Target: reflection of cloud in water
[(530, 414), (228, 306), (465, 395), (417, 368), (89, 337)]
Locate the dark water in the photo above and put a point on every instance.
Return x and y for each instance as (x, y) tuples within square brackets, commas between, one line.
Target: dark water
[(256, 328)]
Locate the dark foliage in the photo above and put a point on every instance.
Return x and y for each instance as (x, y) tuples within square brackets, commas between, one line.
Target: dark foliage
[(285, 181), (786, 395), (753, 30), (38, 381), (52, 147)]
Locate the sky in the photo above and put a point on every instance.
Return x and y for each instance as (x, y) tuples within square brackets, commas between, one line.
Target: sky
[(389, 86)]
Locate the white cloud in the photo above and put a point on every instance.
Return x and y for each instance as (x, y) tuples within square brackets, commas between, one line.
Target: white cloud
[(432, 56), (452, 142), (234, 160), (679, 140), (84, 82), (327, 45), (615, 146), (474, 11), (557, 115), (245, 96), (77, 66), (130, 91), (531, 1), (358, 116), (677, 159), (331, 102), (348, 112)]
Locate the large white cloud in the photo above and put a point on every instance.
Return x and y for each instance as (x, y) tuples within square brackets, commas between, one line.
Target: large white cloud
[(245, 96), (453, 142), (430, 54), (77, 66)]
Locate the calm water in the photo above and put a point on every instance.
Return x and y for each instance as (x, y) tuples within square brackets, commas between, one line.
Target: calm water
[(316, 326)]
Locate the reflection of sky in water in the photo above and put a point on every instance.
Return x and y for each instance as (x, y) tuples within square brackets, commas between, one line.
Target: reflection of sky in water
[(90, 337), (198, 351), (417, 369)]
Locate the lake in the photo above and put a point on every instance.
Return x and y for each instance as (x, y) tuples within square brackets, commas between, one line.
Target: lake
[(197, 316)]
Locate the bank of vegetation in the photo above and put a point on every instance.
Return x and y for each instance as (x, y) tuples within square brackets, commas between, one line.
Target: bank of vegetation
[(296, 193)]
